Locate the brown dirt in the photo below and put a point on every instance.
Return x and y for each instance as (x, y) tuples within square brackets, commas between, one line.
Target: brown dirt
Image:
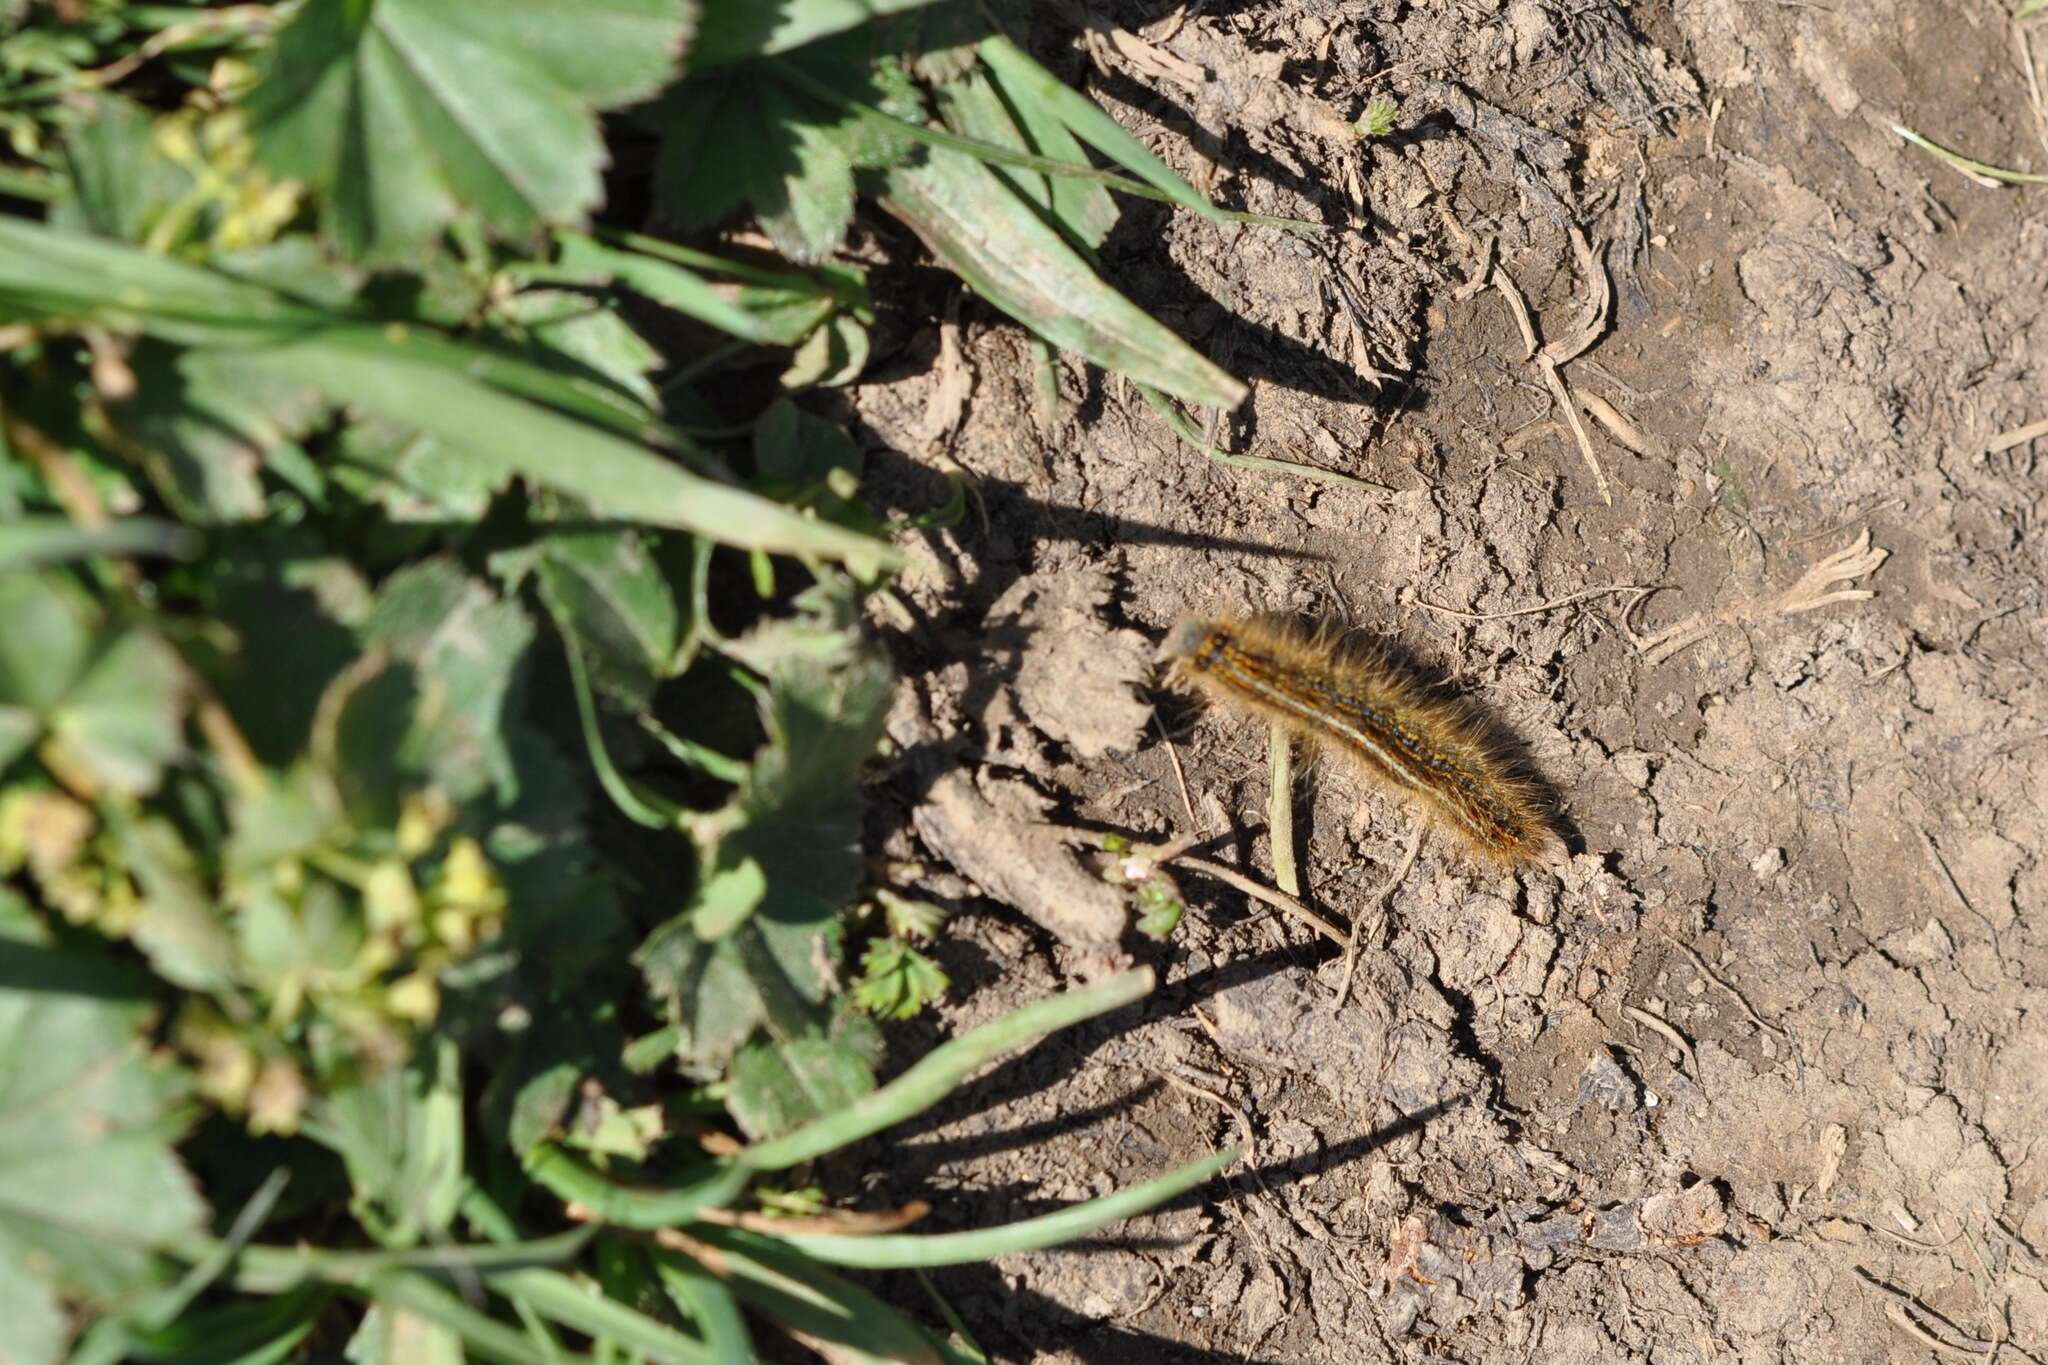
[(1809, 842)]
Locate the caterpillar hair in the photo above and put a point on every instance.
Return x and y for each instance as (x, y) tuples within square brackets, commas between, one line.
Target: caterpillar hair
[(1441, 751)]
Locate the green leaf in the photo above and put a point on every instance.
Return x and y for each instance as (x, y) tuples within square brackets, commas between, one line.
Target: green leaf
[(176, 926), (402, 114), (389, 1335), (89, 1186), (571, 330), (978, 227), (793, 449), (787, 1288), (206, 426), (734, 29), (111, 702), (466, 650), (400, 1135), (121, 186), (606, 589), (729, 140), (424, 385), (741, 136), (800, 804), (897, 980), (774, 309), (1030, 86), (778, 1086), (973, 109)]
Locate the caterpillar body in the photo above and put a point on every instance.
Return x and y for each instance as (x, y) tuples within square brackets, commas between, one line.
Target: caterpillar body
[(1440, 751)]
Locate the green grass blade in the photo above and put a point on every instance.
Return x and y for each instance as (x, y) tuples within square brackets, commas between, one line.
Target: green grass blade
[(944, 1068), (578, 1305), (1025, 81), (47, 273), (606, 1202), (272, 1270), (797, 1293), (705, 1301), (1188, 432), (615, 478), (778, 314), (983, 232), (29, 542), (898, 1251), (999, 155), (1980, 171), (641, 807)]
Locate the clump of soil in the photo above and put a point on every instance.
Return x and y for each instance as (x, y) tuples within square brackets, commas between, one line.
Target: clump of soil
[(1759, 1073)]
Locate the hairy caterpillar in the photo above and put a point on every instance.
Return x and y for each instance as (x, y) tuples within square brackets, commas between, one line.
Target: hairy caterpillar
[(1442, 751)]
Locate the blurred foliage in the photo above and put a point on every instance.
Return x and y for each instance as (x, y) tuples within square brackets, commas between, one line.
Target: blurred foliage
[(433, 702)]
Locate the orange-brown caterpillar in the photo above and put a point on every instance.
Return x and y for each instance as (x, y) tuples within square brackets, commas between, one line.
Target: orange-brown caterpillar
[(1439, 749)]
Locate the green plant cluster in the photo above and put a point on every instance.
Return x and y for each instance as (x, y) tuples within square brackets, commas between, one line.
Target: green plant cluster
[(433, 697)]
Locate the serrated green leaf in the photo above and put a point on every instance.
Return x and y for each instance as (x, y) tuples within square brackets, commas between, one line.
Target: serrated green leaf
[(400, 1135), (743, 139), (402, 114), (49, 638), (743, 136), (111, 703), (205, 427), (466, 647), (176, 926), (980, 229), (606, 588), (120, 184), (778, 1085), (897, 980), (124, 719), (794, 449), (89, 1186), (800, 803)]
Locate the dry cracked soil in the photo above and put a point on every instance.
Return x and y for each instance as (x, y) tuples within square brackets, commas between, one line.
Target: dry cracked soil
[(1682, 409)]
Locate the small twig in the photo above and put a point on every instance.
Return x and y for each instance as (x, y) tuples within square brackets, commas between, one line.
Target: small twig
[(1280, 807), (1965, 1345), (1562, 392), (1542, 606), (1815, 587), (1380, 899), (1619, 427), (2018, 436), (1278, 899), (1505, 282), (1663, 1029), (1708, 972), (1180, 776)]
